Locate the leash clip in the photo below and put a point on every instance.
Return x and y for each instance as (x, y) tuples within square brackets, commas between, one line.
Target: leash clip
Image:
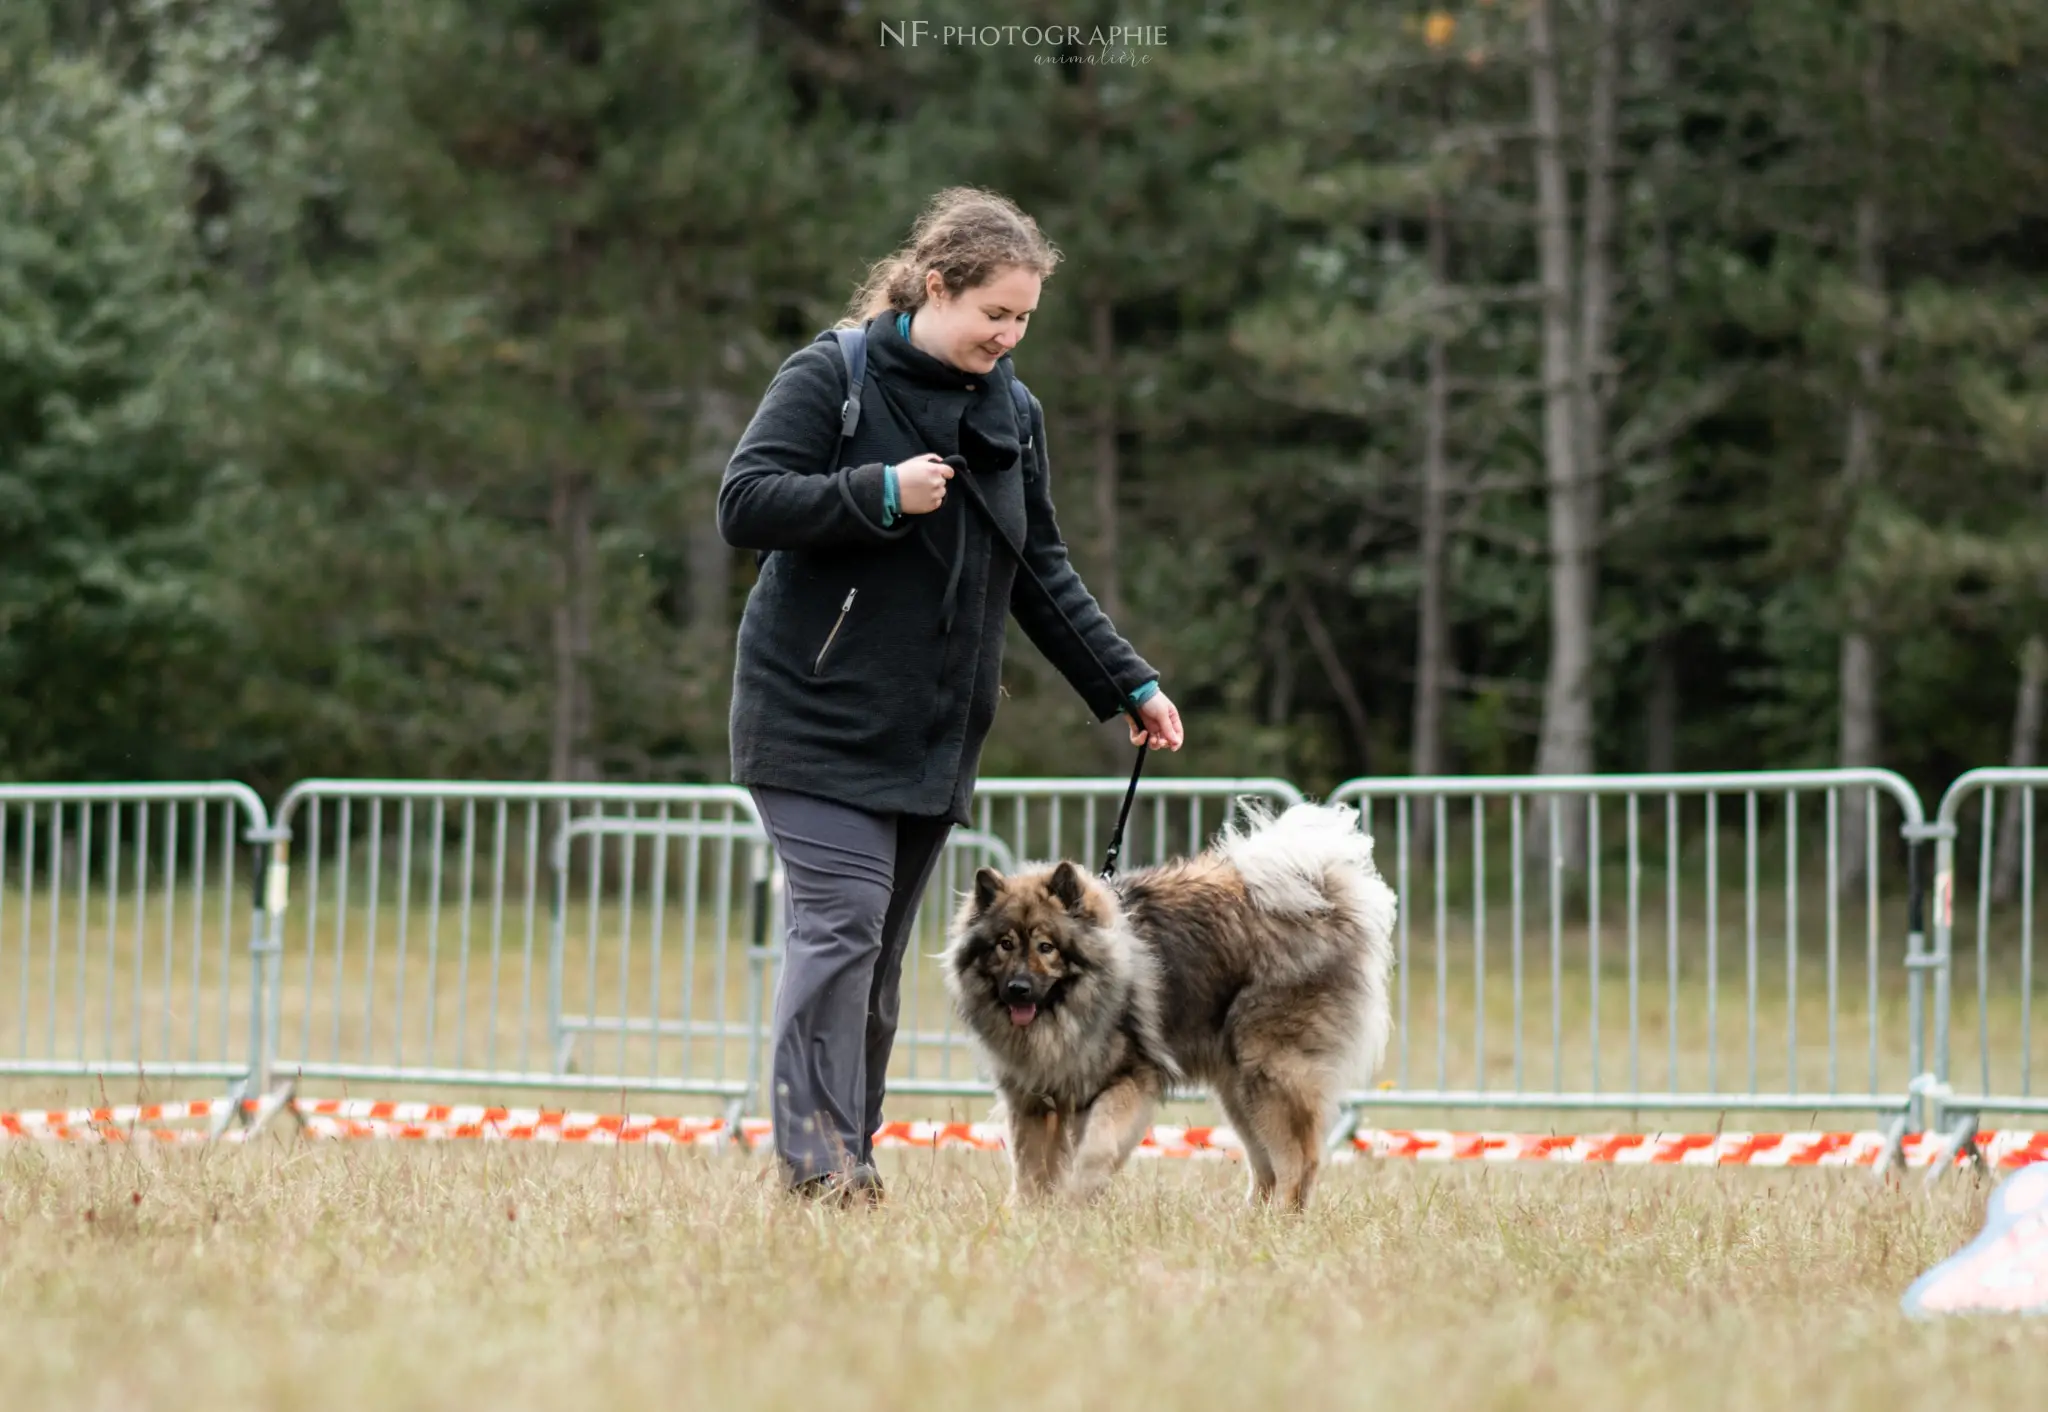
[(1116, 839)]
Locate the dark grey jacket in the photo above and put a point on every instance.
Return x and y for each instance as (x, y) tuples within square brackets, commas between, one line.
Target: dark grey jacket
[(869, 657)]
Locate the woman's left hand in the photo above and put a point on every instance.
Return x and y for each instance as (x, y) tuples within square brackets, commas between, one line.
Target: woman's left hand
[(1161, 723)]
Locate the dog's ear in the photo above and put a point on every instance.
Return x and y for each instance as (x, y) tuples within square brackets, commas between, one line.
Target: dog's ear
[(988, 885), (1067, 886)]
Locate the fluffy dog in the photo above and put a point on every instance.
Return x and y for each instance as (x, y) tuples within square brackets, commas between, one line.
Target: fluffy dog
[(1257, 968)]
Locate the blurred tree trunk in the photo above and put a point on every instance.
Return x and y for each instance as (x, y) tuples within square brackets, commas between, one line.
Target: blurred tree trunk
[(1574, 395), (1432, 638), (1660, 735), (720, 421), (2024, 755), (569, 516), (1432, 629), (1106, 580), (1346, 691), (710, 573), (1655, 26), (1858, 665), (1108, 585), (1280, 666), (2026, 751)]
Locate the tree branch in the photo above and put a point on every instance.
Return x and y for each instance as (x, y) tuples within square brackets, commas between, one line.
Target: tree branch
[(1325, 648)]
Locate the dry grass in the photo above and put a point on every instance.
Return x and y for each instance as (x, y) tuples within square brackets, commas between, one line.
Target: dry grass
[(311, 1277), (285, 1276)]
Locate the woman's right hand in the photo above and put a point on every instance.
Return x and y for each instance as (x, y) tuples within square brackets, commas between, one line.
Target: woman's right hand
[(921, 484)]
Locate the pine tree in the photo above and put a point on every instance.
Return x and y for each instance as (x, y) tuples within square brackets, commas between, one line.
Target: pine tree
[(108, 641), (543, 264)]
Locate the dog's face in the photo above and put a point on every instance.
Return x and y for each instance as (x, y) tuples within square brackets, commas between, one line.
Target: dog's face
[(1025, 945)]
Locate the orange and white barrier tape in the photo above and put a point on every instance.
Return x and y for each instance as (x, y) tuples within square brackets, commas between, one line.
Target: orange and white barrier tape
[(1860, 1149), (368, 1118), (342, 1118)]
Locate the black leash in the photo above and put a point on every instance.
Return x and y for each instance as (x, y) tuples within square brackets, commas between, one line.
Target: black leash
[(1116, 839)]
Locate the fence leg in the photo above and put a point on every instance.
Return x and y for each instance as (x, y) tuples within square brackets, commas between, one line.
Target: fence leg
[(1893, 1155), (280, 1098), (1929, 1042), (266, 963), (561, 1043), (1346, 1128), (758, 954), (1958, 1140), (257, 1080), (232, 1112)]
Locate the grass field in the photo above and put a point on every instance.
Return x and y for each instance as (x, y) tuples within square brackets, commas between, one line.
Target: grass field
[(313, 1277), (288, 1276)]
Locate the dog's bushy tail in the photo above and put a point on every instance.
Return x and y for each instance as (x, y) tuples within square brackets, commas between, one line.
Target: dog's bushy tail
[(1315, 862), (1307, 862)]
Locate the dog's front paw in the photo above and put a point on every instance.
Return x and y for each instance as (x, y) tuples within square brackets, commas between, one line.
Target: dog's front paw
[(1029, 1189), (1087, 1180)]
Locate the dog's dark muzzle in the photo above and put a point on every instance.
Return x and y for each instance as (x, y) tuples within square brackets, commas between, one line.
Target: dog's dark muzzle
[(1023, 996)]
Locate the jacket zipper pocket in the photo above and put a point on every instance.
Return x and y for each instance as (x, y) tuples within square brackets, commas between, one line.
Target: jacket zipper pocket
[(839, 622)]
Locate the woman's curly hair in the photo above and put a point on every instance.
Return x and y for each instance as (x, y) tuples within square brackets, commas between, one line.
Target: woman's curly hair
[(965, 233)]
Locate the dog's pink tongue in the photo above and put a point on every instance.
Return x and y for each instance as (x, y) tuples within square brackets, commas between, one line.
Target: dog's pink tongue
[(1023, 1014)]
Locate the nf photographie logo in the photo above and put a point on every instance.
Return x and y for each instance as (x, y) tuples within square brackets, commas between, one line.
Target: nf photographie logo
[(1050, 44)]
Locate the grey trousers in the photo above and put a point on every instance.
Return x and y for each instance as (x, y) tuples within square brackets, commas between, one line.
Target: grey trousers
[(851, 884)]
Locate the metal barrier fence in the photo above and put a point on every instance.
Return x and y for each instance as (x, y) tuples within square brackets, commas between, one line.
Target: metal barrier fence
[(1985, 1046), (614, 939), (725, 1053), (1701, 956), (627, 938), (707, 1073), (1046, 819), (123, 949), (418, 947), (428, 939)]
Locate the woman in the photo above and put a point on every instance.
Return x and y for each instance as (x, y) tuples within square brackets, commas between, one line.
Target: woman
[(869, 656)]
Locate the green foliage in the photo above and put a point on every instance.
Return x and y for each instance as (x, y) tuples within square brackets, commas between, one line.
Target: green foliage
[(105, 628), (311, 310)]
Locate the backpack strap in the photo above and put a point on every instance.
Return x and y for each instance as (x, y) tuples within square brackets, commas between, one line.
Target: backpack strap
[(853, 355), (853, 352), (1021, 395)]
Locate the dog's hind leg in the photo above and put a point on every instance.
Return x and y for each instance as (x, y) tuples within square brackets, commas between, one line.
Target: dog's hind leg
[(1115, 1124), (1257, 1159), (1284, 1110)]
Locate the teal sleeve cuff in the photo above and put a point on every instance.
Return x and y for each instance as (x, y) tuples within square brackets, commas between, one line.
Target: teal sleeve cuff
[(889, 502), (1144, 693)]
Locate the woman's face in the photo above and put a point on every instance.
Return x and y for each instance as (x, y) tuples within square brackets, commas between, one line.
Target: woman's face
[(972, 331)]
